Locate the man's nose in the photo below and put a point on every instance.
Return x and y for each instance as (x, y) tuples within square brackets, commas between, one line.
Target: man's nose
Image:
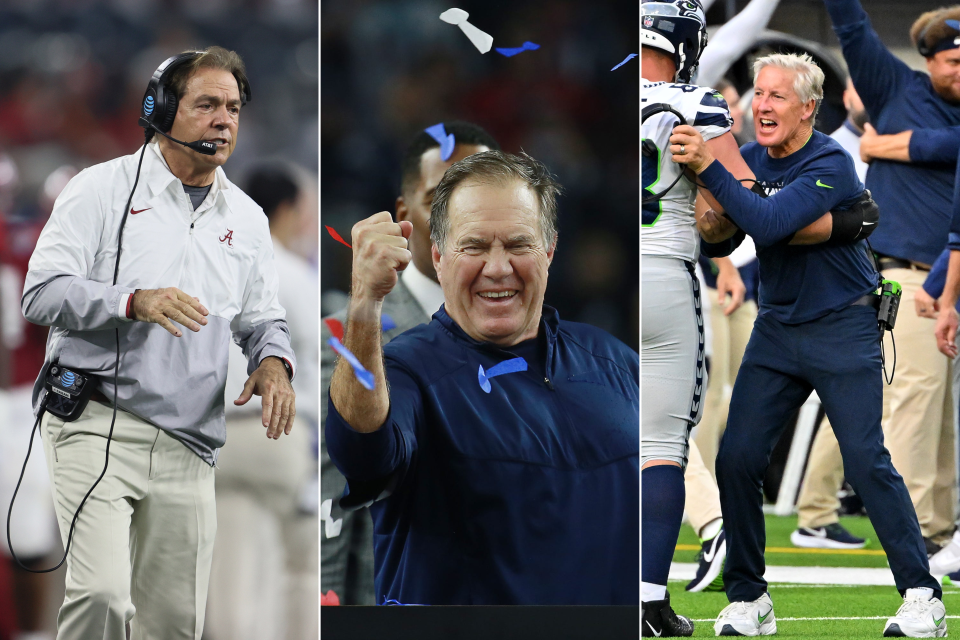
[(498, 264)]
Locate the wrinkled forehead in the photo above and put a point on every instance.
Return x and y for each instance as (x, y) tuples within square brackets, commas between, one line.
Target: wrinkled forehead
[(213, 81), (772, 78), (493, 205)]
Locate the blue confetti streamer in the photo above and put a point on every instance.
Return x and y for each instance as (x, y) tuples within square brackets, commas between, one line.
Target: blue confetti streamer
[(446, 141), (953, 24), (512, 51), (387, 323), (625, 61), (507, 366), (365, 377)]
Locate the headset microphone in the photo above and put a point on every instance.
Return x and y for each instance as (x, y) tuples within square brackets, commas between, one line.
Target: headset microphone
[(206, 147)]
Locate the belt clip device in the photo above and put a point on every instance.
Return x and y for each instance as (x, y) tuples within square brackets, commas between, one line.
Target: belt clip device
[(68, 392), (890, 292)]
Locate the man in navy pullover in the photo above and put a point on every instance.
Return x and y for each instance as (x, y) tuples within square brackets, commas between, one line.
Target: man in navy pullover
[(816, 330), (504, 456), (915, 199)]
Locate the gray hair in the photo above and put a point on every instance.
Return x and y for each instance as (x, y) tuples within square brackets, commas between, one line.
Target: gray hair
[(808, 80), (500, 168)]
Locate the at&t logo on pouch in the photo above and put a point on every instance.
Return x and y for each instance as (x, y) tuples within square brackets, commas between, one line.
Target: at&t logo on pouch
[(148, 105)]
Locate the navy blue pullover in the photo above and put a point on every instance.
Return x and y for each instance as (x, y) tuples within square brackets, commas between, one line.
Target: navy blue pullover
[(805, 282), (914, 198), (524, 495)]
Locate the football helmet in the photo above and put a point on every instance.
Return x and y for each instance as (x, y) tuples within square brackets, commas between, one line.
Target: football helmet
[(677, 27)]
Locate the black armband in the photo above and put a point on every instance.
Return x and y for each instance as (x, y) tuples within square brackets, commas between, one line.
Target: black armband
[(722, 249), (856, 223)]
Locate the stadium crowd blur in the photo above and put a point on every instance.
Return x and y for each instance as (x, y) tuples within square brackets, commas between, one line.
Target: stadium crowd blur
[(390, 69), (72, 75)]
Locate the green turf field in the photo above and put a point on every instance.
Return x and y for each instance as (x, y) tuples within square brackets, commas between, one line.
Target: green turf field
[(778, 537), (797, 607)]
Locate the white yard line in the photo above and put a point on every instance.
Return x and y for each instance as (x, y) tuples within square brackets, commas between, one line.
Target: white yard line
[(805, 575)]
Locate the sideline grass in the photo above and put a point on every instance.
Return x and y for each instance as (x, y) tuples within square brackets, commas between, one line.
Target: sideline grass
[(778, 537), (803, 601), (808, 602)]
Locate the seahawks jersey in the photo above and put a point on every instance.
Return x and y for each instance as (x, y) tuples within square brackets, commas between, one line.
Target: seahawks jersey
[(668, 226)]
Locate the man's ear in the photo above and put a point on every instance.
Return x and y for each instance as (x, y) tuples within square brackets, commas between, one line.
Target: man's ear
[(551, 249), (435, 253), (401, 209)]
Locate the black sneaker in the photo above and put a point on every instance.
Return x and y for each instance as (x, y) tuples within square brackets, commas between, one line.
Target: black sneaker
[(660, 621), (712, 554), (932, 547), (832, 536)]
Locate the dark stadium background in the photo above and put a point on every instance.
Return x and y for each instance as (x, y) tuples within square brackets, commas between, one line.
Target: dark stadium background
[(390, 69)]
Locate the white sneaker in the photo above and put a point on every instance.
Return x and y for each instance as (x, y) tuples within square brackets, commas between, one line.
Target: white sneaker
[(748, 618), (920, 616), (947, 560)]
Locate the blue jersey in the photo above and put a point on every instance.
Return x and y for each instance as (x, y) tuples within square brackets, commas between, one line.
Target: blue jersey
[(798, 283), (520, 491)]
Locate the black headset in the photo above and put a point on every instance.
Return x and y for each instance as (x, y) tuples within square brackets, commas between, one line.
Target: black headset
[(922, 47), (160, 101)]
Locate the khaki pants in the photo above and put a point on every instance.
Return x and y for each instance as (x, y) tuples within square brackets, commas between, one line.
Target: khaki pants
[(141, 550), (917, 426), (703, 496), (730, 336), (264, 581)]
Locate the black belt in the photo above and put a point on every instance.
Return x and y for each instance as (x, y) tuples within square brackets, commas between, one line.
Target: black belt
[(869, 300), (886, 262)]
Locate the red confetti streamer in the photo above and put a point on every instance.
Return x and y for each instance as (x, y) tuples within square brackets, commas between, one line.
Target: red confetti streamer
[(336, 328), (329, 599), (336, 236)]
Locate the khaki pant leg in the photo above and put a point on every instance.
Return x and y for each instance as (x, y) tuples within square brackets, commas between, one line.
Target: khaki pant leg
[(703, 496), (97, 603), (914, 403), (945, 486), (711, 425), (174, 527), (257, 484), (818, 503)]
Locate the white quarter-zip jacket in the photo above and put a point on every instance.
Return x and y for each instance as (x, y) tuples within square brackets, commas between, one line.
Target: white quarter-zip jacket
[(221, 254)]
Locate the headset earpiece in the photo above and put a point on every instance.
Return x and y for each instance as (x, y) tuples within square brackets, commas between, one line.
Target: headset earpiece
[(170, 112)]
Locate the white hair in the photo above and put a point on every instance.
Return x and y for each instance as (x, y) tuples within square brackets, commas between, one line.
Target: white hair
[(808, 78)]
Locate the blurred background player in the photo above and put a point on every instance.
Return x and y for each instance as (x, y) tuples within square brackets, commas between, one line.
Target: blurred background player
[(263, 582), (347, 550), (95, 57), (918, 406)]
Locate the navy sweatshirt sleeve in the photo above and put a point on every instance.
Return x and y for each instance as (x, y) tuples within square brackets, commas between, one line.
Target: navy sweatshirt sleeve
[(821, 187), (935, 145), (877, 74), (937, 278), (391, 448)]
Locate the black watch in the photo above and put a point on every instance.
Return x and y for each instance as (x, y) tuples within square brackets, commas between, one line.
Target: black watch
[(286, 365)]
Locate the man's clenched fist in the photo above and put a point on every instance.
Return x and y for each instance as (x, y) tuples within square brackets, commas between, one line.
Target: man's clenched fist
[(163, 305), (379, 254)]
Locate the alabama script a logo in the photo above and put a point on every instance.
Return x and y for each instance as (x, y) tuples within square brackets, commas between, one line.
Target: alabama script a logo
[(228, 238)]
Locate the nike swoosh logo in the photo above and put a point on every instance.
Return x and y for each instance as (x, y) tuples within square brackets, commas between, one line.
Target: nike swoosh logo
[(825, 186), (937, 622), (139, 211), (867, 224), (760, 618), (655, 632), (708, 556), (817, 533)]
